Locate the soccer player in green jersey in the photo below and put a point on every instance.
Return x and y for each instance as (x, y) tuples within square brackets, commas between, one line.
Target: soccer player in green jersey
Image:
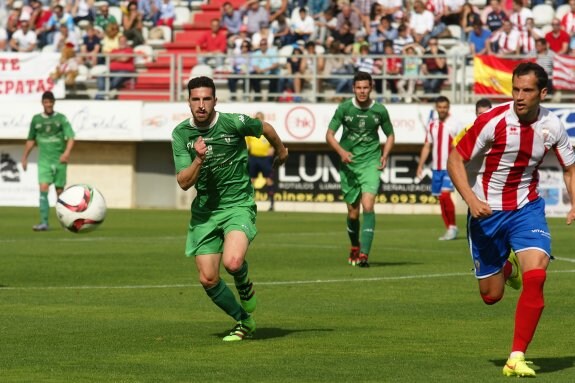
[(210, 153), (53, 134), (362, 161)]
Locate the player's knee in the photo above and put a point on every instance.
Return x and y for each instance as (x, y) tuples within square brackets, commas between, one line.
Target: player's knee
[(209, 281), (233, 265), (490, 299)]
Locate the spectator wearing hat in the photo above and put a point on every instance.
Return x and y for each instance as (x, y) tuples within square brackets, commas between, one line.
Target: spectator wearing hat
[(24, 39), (302, 25), (103, 17), (231, 19)]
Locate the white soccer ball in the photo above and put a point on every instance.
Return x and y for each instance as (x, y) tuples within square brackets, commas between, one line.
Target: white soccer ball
[(81, 208)]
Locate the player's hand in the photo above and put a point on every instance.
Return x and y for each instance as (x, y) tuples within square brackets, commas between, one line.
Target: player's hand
[(64, 158), (570, 216), (24, 163), (347, 158), (383, 163), (479, 209), (419, 172), (201, 148), (281, 158)]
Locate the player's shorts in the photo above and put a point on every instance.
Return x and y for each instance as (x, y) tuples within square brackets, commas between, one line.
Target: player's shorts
[(491, 238), (440, 182), (260, 164), (357, 181), (207, 230), (52, 173)]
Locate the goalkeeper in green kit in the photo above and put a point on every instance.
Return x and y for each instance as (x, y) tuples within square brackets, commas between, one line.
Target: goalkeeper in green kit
[(362, 161), (53, 134)]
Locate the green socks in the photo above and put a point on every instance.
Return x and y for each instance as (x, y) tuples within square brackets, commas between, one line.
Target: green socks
[(44, 207), (353, 231), (224, 298), (241, 276), (367, 232)]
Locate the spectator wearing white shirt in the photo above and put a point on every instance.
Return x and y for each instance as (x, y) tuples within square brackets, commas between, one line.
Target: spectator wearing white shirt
[(520, 15), (265, 33), (529, 36), (24, 39), (63, 37), (507, 41), (348, 15), (421, 23), (302, 25), (392, 8), (568, 24)]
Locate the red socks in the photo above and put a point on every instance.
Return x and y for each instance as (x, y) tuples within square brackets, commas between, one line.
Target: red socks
[(529, 308), (447, 209)]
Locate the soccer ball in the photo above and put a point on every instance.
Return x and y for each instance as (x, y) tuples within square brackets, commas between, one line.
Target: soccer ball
[(81, 208)]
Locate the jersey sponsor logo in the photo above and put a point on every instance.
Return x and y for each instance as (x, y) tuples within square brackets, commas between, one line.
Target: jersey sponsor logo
[(348, 118), (542, 232)]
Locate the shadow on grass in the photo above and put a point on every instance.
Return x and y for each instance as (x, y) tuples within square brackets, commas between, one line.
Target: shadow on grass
[(274, 332), (544, 365), (387, 264)]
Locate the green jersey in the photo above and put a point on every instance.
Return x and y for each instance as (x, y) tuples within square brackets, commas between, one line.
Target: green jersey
[(223, 181), (51, 134), (360, 130)]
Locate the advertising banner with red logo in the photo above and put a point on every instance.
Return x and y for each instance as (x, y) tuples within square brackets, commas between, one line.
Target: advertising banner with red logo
[(25, 76)]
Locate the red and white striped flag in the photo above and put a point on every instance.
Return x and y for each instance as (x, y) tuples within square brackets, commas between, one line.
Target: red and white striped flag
[(564, 72)]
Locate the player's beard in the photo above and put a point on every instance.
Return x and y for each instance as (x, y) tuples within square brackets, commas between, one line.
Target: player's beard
[(203, 119)]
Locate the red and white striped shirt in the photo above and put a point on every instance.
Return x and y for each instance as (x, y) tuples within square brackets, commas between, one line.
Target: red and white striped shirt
[(568, 22), (504, 155), (440, 135), (519, 19)]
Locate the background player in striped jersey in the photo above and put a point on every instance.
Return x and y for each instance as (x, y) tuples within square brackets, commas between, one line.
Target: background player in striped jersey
[(495, 168), (210, 153), (53, 134), (362, 160), (438, 141)]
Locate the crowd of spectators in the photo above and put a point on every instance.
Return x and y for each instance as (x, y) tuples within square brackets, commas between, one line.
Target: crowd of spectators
[(359, 30)]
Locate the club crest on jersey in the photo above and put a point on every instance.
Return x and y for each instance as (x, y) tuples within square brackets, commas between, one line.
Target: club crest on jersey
[(547, 138), (362, 123)]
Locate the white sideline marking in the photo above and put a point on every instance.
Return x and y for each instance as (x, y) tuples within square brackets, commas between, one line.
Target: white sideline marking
[(270, 283)]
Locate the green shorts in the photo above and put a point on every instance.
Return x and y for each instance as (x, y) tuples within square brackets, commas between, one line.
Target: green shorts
[(207, 230), (355, 181), (52, 173)]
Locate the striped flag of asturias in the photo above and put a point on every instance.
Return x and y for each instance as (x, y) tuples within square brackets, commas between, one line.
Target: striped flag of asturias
[(493, 74), (564, 72)]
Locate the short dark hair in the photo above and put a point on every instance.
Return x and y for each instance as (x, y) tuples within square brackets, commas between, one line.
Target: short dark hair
[(362, 76), (48, 96), (441, 99), (201, 82), (483, 103), (541, 41), (525, 68)]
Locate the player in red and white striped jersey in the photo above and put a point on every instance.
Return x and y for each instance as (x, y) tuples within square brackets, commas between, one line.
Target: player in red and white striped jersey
[(438, 141), (495, 168)]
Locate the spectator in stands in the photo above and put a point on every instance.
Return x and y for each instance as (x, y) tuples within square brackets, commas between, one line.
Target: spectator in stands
[(520, 15), (312, 64), (121, 62), (393, 9), (335, 67), (528, 36), (167, 14), (3, 40), (363, 62), (240, 66), (344, 37), (391, 67), (132, 22), (213, 41), (67, 68), (293, 79), (384, 31), (348, 16), (557, 38), (507, 41), (496, 17), (447, 12), (231, 19), (39, 19), (422, 24), (363, 8), (324, 26), (264, 63), (103, 17), (402, 40), (545, 58), (264, 33), (13, 21), (149, 10), (411, 65), (317, 9), (434, 66), (468, 18), (82, 10), (59, 17), (24, 39), (277, 8), (372, 21), (568, 24), (111, 38), (479, 39), (62, 38), (360, 40), (302, 25), (236, 41), (90, 48), (281, 31), (256, 16)]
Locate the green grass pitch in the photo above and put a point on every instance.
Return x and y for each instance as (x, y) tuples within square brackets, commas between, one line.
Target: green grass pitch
[(123, 304)]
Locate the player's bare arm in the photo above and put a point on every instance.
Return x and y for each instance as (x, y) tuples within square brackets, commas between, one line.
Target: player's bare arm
[(27, 149), (422, 158), (66, 155), (189, 176), (346, 157), (387, 147), (281, 152), (569, 178), (456, 170)]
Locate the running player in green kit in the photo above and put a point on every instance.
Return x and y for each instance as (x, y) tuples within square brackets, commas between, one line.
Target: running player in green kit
[(210, 153), (54, 136), (362, 161)]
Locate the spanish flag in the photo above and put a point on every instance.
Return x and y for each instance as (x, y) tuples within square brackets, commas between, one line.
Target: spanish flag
[(493, 74)]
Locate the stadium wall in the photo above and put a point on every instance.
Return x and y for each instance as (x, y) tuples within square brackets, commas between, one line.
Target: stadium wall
[(124, 150)]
